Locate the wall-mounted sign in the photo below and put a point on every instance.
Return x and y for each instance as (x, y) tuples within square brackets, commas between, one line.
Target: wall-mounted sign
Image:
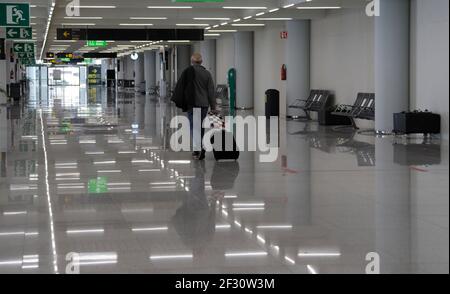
[(95, 75), (19, 33), (28, 61), (23, 47), (24, 55), (14, 15)]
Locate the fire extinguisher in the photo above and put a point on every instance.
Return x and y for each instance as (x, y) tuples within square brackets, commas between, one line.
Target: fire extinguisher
[(283, 72)]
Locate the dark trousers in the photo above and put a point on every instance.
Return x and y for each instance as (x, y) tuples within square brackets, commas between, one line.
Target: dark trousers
[(197, 142)]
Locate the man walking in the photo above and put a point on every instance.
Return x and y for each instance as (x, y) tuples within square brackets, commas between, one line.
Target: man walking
[(195, 93)]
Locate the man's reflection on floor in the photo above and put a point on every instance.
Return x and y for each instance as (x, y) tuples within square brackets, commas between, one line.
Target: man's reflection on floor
[(195, 220)]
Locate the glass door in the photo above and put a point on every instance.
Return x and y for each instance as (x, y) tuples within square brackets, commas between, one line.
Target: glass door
[(64, 76)]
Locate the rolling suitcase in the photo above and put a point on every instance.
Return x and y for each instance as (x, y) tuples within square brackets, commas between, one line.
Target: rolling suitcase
[(228, 149)]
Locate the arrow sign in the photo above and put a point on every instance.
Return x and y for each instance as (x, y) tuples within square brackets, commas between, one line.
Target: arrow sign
[(11, 33), (25, 55), (14, 15), (19, 33), (23, 47), (18, 48)]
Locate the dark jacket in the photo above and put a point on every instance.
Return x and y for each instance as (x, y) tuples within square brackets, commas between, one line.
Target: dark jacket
[(204, 88), (195, 88), (184, 94)]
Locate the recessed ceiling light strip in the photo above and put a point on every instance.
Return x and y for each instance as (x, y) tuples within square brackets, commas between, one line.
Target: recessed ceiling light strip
[(47, 29)]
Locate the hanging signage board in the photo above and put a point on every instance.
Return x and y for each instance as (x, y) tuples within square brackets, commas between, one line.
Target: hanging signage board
[(78, 34), (64, 55), (99, 55)]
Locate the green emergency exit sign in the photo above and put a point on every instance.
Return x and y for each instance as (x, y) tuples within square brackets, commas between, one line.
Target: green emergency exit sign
[(14, 15), (96, 43)]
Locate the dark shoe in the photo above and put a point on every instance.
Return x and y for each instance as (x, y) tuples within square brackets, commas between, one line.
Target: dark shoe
[(202, 155), (196, 154)]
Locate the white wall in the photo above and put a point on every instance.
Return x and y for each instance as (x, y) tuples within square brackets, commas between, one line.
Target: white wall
[(430, 58), (269, 57), (342, 54)]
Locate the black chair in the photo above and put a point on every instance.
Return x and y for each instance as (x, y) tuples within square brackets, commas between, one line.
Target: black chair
[(316, 102), (222, 95), (364, 108)]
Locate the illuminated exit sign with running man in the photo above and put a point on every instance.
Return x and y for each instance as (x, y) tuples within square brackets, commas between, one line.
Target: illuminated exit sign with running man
[(14, 15)]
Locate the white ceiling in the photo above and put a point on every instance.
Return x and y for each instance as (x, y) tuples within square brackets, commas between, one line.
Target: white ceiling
[(125, 12)]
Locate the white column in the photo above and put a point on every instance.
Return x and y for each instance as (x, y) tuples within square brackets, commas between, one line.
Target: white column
[(139, 72), (297, 62), (392, 36), (208, 51), (244, 69), (162, 71), (183, 59), (149, 70)]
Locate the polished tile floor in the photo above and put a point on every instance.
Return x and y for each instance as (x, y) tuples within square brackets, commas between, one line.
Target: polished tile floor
[(94, 176)]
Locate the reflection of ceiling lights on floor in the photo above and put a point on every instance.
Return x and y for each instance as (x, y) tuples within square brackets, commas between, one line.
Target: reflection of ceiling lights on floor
[(105, 258), (246, 254), (166, 257), (319, 254), (87, 231), (150, 229)]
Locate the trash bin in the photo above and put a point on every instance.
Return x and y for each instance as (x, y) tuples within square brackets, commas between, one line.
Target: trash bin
[(272, 103), (15, 91)]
